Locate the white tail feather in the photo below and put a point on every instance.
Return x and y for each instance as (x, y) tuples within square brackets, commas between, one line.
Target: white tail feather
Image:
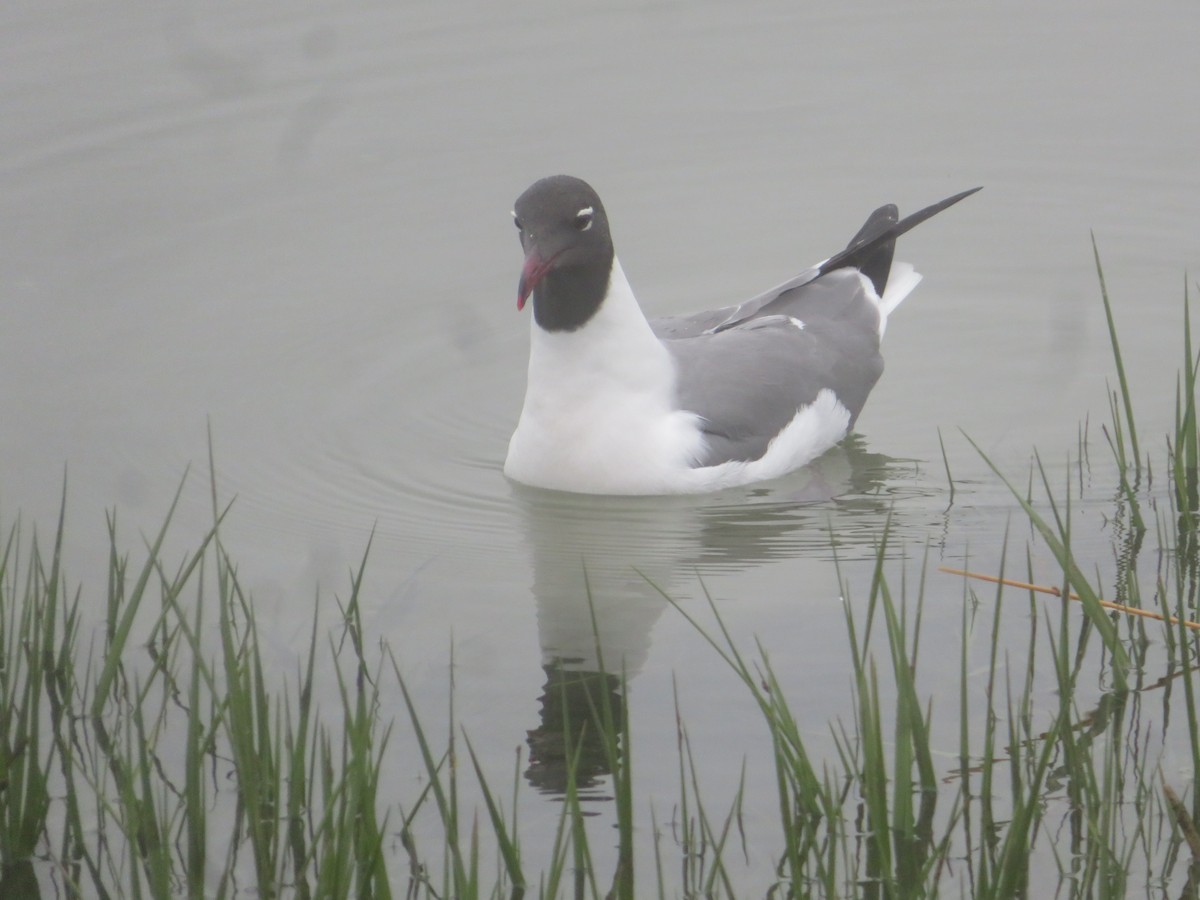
[(901, 281)]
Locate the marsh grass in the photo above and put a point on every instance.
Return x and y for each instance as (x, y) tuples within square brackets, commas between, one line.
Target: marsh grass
[(154, 756)]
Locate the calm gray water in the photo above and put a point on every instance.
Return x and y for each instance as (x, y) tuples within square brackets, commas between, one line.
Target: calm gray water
[(290, 226)]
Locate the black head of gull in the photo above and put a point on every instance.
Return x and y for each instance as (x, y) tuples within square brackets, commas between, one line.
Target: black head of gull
[(619, 404), (568, 251)]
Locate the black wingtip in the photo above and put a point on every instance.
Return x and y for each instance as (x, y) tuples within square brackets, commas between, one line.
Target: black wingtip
[(871, 250), (876, 259), (910, 222)]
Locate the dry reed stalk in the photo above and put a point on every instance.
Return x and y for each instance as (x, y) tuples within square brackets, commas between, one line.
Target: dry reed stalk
[(1041, 588)]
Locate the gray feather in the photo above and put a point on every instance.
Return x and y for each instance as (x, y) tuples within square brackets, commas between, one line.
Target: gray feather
[(747, 377)]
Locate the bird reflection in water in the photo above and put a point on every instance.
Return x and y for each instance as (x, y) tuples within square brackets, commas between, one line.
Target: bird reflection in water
[(579, 710), (600, 567)]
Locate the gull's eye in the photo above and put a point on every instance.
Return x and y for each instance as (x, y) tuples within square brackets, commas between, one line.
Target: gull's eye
[(516, 222), (583, 218)]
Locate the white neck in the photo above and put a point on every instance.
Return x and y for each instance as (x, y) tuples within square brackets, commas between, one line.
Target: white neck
[(598, 400), (615, 343)]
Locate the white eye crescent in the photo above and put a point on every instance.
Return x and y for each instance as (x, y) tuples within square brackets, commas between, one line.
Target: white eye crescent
[(516, 221), (583, 218)]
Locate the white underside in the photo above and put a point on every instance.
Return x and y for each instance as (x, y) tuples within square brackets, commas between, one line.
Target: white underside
[(599, 414)]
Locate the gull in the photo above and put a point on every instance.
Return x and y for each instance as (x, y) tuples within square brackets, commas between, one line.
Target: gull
[(618, 403)]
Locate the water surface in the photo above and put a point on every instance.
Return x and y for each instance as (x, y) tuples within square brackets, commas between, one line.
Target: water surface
[(289, 230)]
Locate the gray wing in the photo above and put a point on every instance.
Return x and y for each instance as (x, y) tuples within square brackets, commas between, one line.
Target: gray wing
[(727, 316), (747, 369), (747, 381)]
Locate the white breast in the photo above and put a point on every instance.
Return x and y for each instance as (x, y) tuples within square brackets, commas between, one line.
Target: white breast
[(599, 414)]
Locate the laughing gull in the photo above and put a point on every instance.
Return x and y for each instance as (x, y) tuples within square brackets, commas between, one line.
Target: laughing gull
[(618, 404)]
